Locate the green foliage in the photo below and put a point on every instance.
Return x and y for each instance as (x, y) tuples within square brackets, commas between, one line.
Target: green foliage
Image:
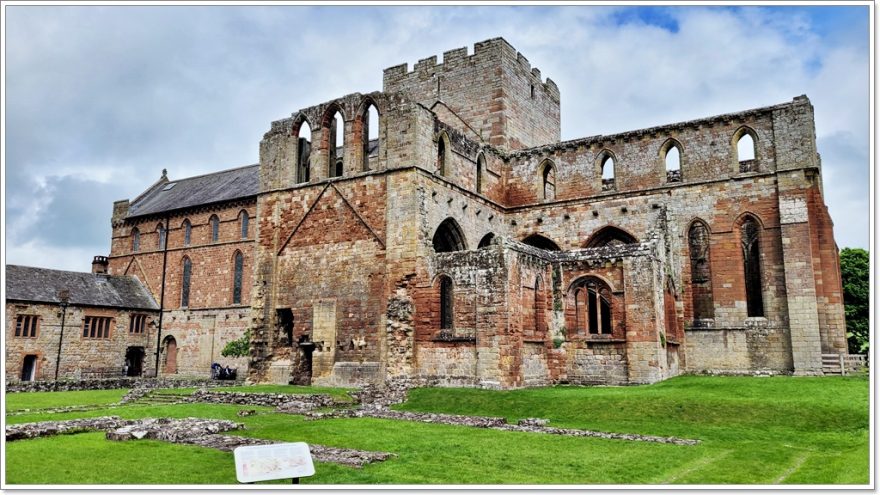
[(800, 430), (662, 338), (558, 341), (854, 272), (239, 347)]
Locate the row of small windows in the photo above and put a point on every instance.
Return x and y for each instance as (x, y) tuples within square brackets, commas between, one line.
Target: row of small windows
[(670, 152), (94, 327), (237, 279), (333, 126), (213, 222)]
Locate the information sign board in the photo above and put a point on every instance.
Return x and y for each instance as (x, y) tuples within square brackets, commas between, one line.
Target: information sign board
[(273, 462)]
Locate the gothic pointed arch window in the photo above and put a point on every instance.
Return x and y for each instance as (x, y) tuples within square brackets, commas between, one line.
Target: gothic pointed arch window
[(370, 133), (186, 282), (135, 240), (486, 241), (750, 239), (701, 272), (481, 166), (448, 237), (609, 236), (215, 228), (238, 273), (304, 150), (744, 141), (447, 303), (541, 242), (670, 152), (442, 154), (548, 181), (593, 307), (335, 127), (187, 232), (606, 170), (160, 234), (244, 221)]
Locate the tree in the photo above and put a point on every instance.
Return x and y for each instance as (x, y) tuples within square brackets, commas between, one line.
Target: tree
[(239, 347), (854, 273)]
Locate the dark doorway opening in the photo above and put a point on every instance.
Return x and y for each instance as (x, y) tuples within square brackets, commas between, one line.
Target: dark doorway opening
[(134, 361), (29, 368), (170, 355), (302, 368)]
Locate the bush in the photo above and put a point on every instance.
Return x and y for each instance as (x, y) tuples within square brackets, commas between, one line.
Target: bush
[(239, 347), (854, 266)]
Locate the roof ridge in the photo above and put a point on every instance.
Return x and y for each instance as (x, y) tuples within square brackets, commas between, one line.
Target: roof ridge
[(215, 173)]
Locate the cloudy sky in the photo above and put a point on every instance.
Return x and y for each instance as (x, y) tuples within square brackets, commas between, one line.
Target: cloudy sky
[(100, 99)]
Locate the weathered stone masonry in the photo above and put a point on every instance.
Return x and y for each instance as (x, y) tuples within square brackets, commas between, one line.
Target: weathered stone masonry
[(468, 245)]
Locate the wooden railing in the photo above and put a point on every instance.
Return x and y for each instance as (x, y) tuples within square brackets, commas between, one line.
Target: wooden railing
[(841, 364)]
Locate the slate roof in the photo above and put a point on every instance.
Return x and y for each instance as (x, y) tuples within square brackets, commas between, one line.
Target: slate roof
[(217, 187), (26, 283), (226, 185)]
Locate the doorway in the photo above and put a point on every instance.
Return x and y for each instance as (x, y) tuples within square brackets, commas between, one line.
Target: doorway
[(134, 361), (170, 355), (29, 368), (302, 367)]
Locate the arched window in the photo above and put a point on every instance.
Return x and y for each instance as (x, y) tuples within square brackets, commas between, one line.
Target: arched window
[(609, 236), (448, 237), (750, 238), (442, 145), (244, 220), (187, 232), (701, 273), (135, 240), (238, 268), (607, 167), (447, 303), (337, 145), (160, 231), (215, 228), (304, 150), (593, 306), (481, 165), (370, 134), (671, 154), (486, 241), (185, 284), (745, 150), (548, 181), (541, 242)]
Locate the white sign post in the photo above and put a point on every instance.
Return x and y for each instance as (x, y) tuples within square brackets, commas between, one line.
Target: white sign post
[(273, 462)]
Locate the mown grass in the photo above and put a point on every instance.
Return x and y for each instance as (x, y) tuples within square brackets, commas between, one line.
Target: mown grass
[(753, 430), (46, 400)]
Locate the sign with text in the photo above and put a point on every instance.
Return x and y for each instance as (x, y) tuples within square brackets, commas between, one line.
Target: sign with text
[(273, 462)]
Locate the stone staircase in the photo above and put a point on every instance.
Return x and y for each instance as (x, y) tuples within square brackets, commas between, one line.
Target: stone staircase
[(161, 398)]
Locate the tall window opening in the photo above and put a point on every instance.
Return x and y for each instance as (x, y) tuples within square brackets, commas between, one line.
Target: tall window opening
[(337, 145), (593, 307), (185, 284), (135, 240), (548, 181), (540, 325), (441, 155), (481, 165), (370, 134), (237, 277), (446, 303), (160, 230), (701, 273), (215, 228), (304, 150), (745, 151), (187, 232), (448, 237), (244, 220), (672, 159), (607, 167), (750, 238)]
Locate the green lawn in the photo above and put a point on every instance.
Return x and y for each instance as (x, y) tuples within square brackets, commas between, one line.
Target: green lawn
[(45, 400), (753, 430)]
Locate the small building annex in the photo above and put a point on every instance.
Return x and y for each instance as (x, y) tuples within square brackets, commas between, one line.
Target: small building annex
[(455, 237), (109, 324)]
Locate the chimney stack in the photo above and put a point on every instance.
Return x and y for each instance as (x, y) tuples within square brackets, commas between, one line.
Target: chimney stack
[(99, 265)]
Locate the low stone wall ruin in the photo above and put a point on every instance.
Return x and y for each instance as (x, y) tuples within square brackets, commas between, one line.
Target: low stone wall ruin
[(111, 383)]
